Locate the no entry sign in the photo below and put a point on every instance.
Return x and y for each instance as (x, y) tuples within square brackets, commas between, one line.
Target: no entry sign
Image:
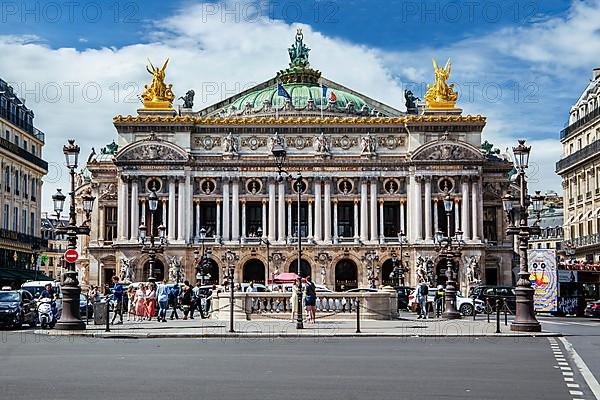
[(71, 255)]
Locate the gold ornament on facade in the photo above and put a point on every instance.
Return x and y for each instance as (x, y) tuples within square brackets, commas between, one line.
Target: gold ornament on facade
[(440, 95), (158, 95)]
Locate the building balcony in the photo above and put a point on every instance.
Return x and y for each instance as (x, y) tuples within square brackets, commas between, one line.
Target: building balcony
[(588, 151), (588, 195), (19, 152), (580, 123), (572, 200), (579, 197), (583, 241), (23, 238)]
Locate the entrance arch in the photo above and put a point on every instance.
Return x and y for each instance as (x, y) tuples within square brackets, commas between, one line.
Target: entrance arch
[(386, 269), (253, 270), (212, 273), (305, 268), (158, 270), (346, 275)]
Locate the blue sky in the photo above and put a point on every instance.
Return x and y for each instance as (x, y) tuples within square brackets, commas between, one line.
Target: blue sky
[(520, 63)]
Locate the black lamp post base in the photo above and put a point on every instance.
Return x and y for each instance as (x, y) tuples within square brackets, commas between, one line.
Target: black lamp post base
[(451, 315), (525, 320), (70, 319), (526, 327)]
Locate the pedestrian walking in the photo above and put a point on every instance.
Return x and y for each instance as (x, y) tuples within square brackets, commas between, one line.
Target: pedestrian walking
[(310, 299), (422, 292), (186, 300), (294, 300), (173, 300), (117, 297), (130, 302), (208, 301), (438, 299), (162, 295), (140, 303), (151, 301)]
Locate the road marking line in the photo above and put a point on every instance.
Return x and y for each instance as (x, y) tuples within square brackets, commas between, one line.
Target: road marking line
[(583, 368), (572, 385), (568, 379), (567, 373), (565, 368), (563, 363), (576, 393)]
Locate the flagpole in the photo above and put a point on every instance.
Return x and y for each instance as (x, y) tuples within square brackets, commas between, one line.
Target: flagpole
[(322, 97)]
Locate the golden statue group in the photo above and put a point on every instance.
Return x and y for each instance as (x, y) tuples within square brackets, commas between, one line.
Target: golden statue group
[(158, 95), (440, 95)]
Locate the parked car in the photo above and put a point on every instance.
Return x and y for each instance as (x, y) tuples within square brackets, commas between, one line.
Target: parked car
[(17, 307), (259, 287), (85, 306), (464, 305), (593, 309), (489, 293), (362, 290), (288, 287)]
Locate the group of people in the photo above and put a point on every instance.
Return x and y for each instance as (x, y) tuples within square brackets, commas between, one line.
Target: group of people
[(422, 293), (309, 292)]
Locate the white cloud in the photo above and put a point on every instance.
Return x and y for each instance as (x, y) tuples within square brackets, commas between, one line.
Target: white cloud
[(219, 58)]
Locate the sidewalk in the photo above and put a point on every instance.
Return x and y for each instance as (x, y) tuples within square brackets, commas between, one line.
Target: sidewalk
[(406, 326)]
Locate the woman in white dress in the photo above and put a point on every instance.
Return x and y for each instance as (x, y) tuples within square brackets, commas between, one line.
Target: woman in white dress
[(294, 301)]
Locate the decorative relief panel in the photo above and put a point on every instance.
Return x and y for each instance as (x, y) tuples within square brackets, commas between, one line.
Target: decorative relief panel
[(392, 142), (108, 191), (253, 142), (345, 142), (299, 142), (207, 142)]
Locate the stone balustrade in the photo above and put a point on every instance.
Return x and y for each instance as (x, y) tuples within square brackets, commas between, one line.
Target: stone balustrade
[(376, 306)]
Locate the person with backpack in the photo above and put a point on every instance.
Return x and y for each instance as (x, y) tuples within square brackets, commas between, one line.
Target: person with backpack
[(173, 300), (187, 298), (422, 292), (438, 300)]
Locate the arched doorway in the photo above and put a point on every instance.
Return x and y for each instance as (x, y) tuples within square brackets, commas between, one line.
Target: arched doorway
[(158, 270), (346, 275), (212, 274), (440, 272), (254, 270), (386, 269), (305, 268)]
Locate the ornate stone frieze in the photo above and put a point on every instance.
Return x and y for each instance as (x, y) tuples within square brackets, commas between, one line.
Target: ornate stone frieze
[(107, 191), (152, 152), (253, 142), (299, 142), (207, 142), (345, 142), (392, 142)]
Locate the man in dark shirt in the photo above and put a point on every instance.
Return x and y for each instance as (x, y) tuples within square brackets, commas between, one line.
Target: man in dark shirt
[(117, 296)]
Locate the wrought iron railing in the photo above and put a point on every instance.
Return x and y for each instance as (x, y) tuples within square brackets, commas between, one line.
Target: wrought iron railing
[(580, 155), (579, 123)]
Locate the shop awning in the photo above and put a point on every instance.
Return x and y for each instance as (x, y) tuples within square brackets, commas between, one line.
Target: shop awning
[(21, 275)]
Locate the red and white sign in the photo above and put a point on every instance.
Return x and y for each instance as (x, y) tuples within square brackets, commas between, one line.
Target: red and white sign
[(71, 255)]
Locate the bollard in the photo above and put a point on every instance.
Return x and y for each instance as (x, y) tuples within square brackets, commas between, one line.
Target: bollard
[(474, 309), (107, 316), (498, 315), (505, 312), (357, 315), (487, 308)]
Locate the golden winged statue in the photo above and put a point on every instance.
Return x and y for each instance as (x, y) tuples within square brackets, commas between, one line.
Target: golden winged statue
[(158, 95), (440, 95)]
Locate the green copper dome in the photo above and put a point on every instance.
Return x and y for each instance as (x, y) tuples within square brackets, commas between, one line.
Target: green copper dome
[(301, 94)]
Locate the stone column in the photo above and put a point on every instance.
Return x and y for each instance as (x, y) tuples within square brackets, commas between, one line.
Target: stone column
[(417, 222), (289, 219), (436, 217), (189, 208), (226, 223), (356, 227), (272, 218), (327, 212), (464, 218), (235, 210), (456, 214), (143, 216), (181, 220), (101, 226), (364, 213), (264, 218), (428, 236), (475, 209), (281, 213), (164, 213), (381, 231), (410, 209), (135, 217), (243, 233), (171, 219), (218, 235), (402, 216), (122, 208), (310, 219), (318, 211), (198, 226), (336, 236), (373, 212)]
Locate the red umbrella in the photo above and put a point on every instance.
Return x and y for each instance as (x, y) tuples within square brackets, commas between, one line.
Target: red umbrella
[(286, 277)]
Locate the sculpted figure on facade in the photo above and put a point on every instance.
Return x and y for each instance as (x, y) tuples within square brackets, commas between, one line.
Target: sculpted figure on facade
[(472, 270), (174, 268), (126, 273), (321, 144), (230, 145), (276, 139), (188, 99), (368, 144), (421, 269)]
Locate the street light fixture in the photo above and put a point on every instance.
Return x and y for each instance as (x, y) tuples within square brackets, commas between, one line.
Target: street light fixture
[(262, 239), (280, 155), (398, 271), (525, 320), (372, 273), (450, 248), (202, 258), (152, 248), (230, 258), (70, 318)]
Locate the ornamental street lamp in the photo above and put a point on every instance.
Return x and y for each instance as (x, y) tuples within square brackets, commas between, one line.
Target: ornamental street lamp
[(280, 155), (398, 270), (149, 244), (525, 320), (70, 318), (449, 247), (230, 258), (261, 240), (202, 259), (371, 258)]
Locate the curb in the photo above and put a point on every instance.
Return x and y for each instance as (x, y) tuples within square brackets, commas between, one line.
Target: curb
[(283, 335)]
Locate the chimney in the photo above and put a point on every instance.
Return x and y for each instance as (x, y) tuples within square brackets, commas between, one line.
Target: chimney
[(596, 73)]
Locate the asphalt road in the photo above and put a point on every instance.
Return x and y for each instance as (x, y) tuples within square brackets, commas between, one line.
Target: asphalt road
[(35, 367)]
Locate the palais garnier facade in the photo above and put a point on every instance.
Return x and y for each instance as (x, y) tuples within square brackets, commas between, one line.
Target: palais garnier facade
[(372, 176)]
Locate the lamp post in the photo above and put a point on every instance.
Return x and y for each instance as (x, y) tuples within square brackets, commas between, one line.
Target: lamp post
[(370, 258), (280, 155), (149, 245), (71, 319), (264, 240), (525, 320), (399, 270), (202, 258), (230, 258), (449, 247)]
